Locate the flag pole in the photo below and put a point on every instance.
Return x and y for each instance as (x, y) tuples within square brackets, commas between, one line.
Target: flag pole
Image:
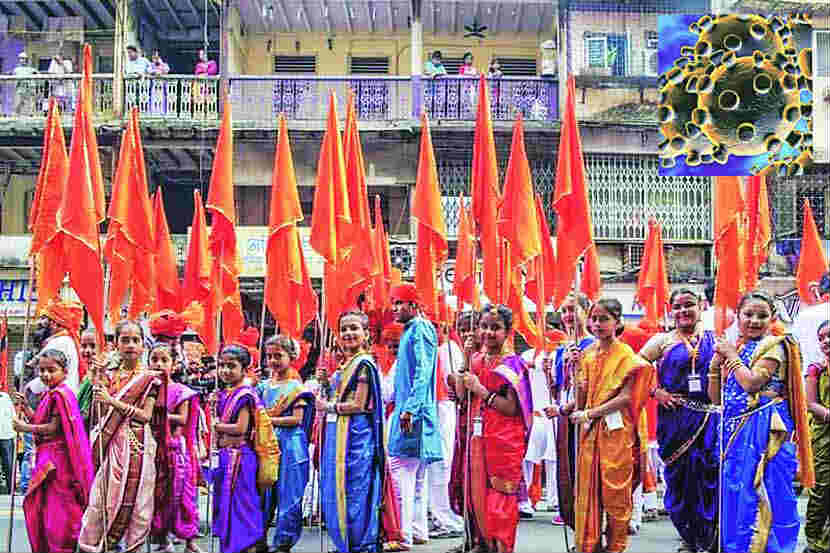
[(215, 413), (324, 337), (26, 325)]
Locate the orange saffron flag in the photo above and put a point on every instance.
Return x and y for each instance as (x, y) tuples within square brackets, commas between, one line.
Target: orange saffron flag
[(485, 190), (431, 250), (331, 216), (198, 283), (534, 286), (382, 281), (168, 287), (465, 284), (288, 292), (77, 238), (759, 229), (812, 261), (131, 237), (591, 282), (43, 218), (223, 233), (574, 234), (86, 101), (517, 218), (729, 242), (653, 282)]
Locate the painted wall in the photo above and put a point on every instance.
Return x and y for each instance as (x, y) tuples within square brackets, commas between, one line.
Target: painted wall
[(14, 204)]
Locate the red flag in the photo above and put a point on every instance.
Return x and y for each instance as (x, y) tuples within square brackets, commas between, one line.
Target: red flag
[(198, 282), (130, 238), (548, 263), (86, 101), (517, 217), (432, 231), (4, 353), (288, 292), (653, 282), (485, 190), (331, 216), (168, 287), (382, 281), (223, 233), (574, 234), (759, 230), (729, 241), (43, 217), (465, 285), (77, 237), (812, 261)]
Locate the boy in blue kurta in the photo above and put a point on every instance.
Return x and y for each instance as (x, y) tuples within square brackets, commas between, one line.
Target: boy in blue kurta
[(414, 439)]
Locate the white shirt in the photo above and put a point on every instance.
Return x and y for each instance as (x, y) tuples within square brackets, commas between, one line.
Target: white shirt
[(6, 415), (66, 345), (457, 357), (805, 330), (539, 389), (18, 363)]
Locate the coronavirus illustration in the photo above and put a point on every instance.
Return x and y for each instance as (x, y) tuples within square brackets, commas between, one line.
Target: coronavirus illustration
[(735, 94)]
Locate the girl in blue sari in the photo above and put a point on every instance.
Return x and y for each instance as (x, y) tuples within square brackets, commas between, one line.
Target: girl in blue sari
[(352, 456), (687, 422), (291, 408), (764, 408), (237, 519)]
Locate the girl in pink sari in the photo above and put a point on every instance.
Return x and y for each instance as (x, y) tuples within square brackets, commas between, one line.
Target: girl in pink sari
[(62, 476)]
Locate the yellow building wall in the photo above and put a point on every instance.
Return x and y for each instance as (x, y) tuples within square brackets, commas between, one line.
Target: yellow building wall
[(14, 205), (259, 60)]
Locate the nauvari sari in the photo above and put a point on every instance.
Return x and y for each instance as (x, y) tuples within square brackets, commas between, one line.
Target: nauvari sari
[(817, 525)]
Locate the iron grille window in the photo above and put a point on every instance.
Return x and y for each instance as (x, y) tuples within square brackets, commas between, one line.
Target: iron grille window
[(105, 64), (822, 54), (452, 65), (595, 52), (368, 65), (302, 65), (787, 203), (518, 67)]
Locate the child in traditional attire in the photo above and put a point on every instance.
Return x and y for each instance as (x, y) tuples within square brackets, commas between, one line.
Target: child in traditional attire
[(817, 525), (238, 521), (62, 476), (291, 408)]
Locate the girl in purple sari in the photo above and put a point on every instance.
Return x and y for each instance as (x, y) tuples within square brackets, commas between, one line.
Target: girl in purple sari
[(63, 474), (179, 515), (687, 422), (238, 521)]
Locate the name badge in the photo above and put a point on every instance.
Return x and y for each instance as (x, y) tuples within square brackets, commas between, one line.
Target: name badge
[(331, 417), (694, 384), (614, 421), (478, 427)]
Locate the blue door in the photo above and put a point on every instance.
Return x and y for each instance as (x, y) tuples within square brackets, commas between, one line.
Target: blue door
[(618, 43)]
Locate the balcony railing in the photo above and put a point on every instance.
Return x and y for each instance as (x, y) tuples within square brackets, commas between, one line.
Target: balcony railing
[(258, 100), (28, 97)]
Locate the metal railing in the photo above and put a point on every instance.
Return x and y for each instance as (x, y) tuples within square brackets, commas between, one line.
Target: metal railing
[(187, 97), (28, 97), (257, 100)]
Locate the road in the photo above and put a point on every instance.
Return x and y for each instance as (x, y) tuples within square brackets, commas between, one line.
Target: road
[(536, 535)]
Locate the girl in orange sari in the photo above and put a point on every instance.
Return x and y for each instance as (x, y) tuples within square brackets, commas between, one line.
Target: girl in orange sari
[(610, 395), (500, 393)]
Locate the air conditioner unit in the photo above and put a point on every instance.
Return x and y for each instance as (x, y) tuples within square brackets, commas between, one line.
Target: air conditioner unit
[(650, 64)]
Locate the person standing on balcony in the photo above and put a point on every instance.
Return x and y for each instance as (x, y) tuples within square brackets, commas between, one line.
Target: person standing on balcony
[(60, 90), (158, 66), (204, 68), (137, 64), (24, 90), (494, 71), (467, 69), (434, 66)]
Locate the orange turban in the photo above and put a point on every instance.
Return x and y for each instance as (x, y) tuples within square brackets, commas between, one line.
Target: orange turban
[(404, 292), (67, 314), (249, 339), (172, 324), (392, 331)]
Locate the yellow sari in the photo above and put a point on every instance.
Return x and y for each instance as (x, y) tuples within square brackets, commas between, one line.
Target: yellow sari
[(605, 462)]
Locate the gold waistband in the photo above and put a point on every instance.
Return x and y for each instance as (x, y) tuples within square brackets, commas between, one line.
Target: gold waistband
[(504, 486)]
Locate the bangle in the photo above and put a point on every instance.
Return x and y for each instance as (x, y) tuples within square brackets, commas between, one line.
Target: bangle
[(490, 399)]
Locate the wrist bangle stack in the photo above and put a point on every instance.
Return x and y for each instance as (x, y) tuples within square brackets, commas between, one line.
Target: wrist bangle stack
[(490, 399), (732, 365)]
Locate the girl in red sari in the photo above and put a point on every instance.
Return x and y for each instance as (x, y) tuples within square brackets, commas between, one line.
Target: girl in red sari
[(62, 476), (500, 394)]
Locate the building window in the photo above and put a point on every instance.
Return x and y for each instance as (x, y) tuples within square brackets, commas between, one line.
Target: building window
[(518, 67), (252, 205), (453, 65), (822, 53), (295, 65), (595, 52), (368, 65), (105, 64)]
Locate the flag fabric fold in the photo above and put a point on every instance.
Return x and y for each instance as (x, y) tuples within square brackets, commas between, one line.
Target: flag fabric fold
[(382, 281), (168, 286), (547, 264), (197, 284), (653, 282), (288, 292), (431, 249), (729, 241), (574, 234), (812, 261), (759, 228), (220, 203), (465, 284)]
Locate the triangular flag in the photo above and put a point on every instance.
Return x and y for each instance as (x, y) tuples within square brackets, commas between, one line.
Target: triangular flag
[(759, 229), (198, 281), (168, 286), (465, 285), (653, 282), (812, 261), (729, 242)]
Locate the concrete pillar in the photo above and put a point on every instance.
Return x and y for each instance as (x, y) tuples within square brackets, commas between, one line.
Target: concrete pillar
[(14, 208), (126, 33), (417, 47)]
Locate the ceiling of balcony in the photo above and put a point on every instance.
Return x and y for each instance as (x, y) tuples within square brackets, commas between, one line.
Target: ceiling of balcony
[(98, 14), (393, 16)]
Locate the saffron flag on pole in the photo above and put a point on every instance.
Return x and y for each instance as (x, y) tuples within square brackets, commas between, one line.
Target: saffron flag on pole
[(465, 283), (653, 282), (575, 232), (223, 233), (812, 261), (382, 281), (86, 99), (729, 242), (431, 249), (759, 229), (484, 190), (197, 284), (534, 286), (168, 287), (288, 292)]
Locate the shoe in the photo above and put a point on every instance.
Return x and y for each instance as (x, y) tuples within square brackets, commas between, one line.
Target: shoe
[(446, 534), (525, 515), (542, 506), (557, 521), (633, 528), (420, 541)]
